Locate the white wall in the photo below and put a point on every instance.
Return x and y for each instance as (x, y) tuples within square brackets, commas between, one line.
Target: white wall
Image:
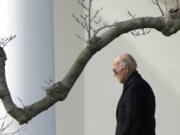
[(30, 58), (70, 112), (95, 95), (158, 62)]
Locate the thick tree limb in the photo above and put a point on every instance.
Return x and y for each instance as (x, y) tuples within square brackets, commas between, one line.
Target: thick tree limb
[(167, 25), (141, 31)]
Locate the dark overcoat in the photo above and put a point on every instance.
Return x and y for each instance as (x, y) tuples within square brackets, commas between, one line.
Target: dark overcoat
[(135, 112)]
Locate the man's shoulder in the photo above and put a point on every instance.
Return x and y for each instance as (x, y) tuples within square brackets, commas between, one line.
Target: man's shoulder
[(141, 83)]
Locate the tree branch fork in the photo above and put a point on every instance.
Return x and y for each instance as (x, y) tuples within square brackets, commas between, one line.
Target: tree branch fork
[(167, 25)]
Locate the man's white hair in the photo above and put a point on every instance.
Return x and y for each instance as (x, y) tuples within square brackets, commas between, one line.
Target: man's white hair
[(127, 59)]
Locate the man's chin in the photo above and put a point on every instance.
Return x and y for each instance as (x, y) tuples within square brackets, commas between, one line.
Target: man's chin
[(120, 81)]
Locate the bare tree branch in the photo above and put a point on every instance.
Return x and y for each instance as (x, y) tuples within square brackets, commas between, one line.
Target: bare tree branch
[(156, 2), (18, 131), (4, 119), (167, 25), (96, 13), (81, 23), (89, 19), (4, 41), (165, 3), (98, 21), (81, 38), (174, 10), (20, 100), (177, 3), (83, 1), (82, 4), (134, 32), (132, 15), (84, 18), (6, 124), (47, 85), (102, 28), (138, 32)]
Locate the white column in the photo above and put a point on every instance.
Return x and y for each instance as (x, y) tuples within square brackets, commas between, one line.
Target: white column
[(30, 56)]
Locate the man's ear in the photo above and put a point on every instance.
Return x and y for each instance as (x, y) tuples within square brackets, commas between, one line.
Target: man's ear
[(126, 68)]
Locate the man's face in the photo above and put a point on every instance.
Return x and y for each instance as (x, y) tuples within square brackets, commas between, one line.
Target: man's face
[(120, 72)]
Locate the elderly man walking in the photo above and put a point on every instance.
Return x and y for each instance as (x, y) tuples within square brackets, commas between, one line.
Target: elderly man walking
[(135, 112)]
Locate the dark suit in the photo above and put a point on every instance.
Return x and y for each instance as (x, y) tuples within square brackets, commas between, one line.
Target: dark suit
[(136, 108)]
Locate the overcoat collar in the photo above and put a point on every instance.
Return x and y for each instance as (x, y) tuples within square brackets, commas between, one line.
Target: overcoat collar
[(130, 79)]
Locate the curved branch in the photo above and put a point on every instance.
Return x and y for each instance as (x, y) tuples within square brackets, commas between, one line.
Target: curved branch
[(57, 92), (156, 2), (168, 25)]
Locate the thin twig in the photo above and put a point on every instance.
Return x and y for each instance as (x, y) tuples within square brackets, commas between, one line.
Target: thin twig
[(48, 84), (4, 127), (78, 21), (98, 21), (156, 2), (165, 2), (89, 20), (20, 100), (140, 33), (105, 26), (21, 129), (81, 38), (83, 1), (94, 31), (96, 13), (49, 81), (4, 119), (133, 16), (84, 18), (177, 2), (4, 41), (135, 33), (82, 4), (7, 126)]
